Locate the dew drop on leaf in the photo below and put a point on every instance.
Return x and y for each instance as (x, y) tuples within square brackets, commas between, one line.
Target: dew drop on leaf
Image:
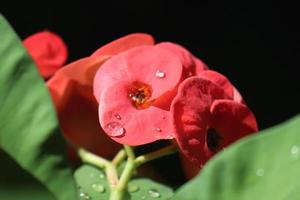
[(84, 196), (153, 193), (114, 129), (260, 172), (98, 188), (101, 176), (160, 74), (133, 188), (295, 150)]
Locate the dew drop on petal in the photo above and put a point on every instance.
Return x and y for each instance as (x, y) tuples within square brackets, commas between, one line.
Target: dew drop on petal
[(260, 172), (114, 129), (98, 188), (160, 74), (133, 188), (169, 137), (157, 129), (153, 193), (117, 116)]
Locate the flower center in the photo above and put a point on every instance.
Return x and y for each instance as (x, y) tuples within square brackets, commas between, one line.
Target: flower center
[(213, 140), (139, 95)]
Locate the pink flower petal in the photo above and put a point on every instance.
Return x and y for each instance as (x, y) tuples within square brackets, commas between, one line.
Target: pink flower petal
[(124, 43), (79, 72), (191, 64), (199, 65), (219, 80), (237, 97), (155, 66), (191, 115), (48, 51), (232, 120), (77, 109), (183, 54), (128, 125)]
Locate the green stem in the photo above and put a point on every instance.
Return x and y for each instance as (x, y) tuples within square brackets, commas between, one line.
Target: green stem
[(102, 163), (119, 158), (154, 155), (118, 186), (118, 192), (92, 159)]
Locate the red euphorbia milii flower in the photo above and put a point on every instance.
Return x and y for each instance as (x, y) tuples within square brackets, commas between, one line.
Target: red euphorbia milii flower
[(72, 93), (138, 87), (129, 85), (140, 101), (206, 119), (48, 51)]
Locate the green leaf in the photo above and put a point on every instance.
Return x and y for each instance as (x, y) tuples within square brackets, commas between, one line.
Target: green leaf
[(147, 189), (16, 183), (93, 184), (29, 130), (264, 166)]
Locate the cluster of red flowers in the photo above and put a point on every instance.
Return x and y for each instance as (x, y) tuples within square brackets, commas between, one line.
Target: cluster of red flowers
[(141, 92)]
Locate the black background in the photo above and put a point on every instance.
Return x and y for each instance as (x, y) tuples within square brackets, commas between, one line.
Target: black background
[(255, 45)]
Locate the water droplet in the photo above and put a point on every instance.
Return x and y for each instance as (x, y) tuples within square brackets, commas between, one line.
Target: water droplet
[(84, 196), (117, 116), (133, 188), (295, 150), (101, 176), (98, 188), (160, 74), (143, 197), (157, 129), (260, 172), (169, 137), (92, 175), (153, 193), (114, 129)]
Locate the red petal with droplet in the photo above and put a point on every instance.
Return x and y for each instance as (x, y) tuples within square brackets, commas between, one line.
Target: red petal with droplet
[(48, 51), (191, 64), (141, 126), (140, 65)]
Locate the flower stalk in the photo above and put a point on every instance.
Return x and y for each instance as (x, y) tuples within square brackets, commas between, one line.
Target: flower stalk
[(118, 185)]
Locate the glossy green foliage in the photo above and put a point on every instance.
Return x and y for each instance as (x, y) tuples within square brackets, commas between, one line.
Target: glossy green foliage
[(92, 184), (29, 131), (264, 166)]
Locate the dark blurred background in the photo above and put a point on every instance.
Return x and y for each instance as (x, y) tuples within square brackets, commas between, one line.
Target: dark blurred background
[(256, 45)]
